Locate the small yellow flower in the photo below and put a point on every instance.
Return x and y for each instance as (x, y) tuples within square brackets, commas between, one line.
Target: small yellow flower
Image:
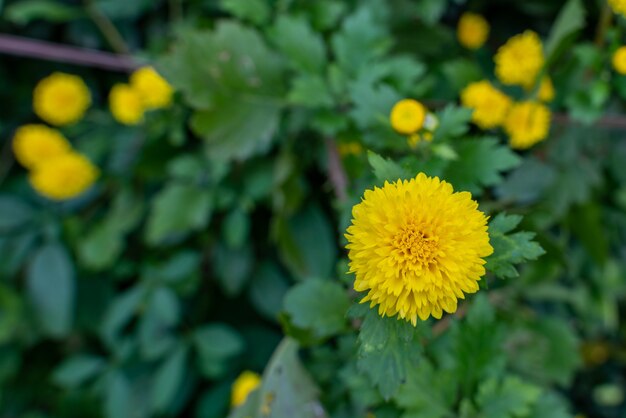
[(546, 90), (154, 90), (472, 30), (61, 99), (618, 6), (407, 116), (36, 144), (619, 60), (520, 59), (64, 177), (414, 139), (349, 148), (490, 104), (416, 247), (246, 382), (126, 104), (526, 124)]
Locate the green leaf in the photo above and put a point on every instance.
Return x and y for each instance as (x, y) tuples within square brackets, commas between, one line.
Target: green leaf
[(14, 213), (372, 102), (168, 380), (310, 91), (217, 344), (528, 182), (480, 164), (287, 389), (237, 95), (428, 392), (255, 11), (508, 398), (267, 290), (550, 405), (25, 11), (232, 267), (385, 169), (101, 246), (571, 19), (319, 305), (460, 72), (119, 314), (388, 349), (453, 122), (51, 289), (177, 210), (118, 396), (304, 48), (74, 371), (509, 248), (236, 228)]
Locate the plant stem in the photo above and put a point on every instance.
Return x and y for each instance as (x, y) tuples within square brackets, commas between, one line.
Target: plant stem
[(603, 24), (107, 28)]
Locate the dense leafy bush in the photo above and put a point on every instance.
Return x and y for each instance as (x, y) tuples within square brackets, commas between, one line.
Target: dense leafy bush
[(182, 229)]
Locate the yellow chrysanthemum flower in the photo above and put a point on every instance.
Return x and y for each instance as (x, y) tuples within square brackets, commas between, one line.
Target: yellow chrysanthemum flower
[(35, 144), (526, 124), (490, 104), (61, 99), (64, 177), (407, 116), (243, 385), (416, 247), (520, 59), (619, 60), (618, 6), (472, 30), (154, 90), (126, 104), (546, 90)]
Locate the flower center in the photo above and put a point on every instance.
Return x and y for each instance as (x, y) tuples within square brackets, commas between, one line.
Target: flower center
[(416, 245)]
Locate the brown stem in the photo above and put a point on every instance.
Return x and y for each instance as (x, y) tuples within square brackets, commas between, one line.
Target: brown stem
[(336, 172), (603, 25), (23, 47)]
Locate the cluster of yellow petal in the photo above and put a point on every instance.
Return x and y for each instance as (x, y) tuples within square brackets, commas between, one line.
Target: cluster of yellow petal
[(618, 6), (416, 247), (61, 99), (472, 30), (546, 90), (407, 116), (147, 90), (527, 123), (243, 385), (490, 104), (619, 60), (520, 59), (349, 148), (64, 177), (35, 144)]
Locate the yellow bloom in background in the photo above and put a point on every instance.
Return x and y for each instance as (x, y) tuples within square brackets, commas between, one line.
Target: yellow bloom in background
[(526, 124), (415, 139), (126, 104), (154, 90), (61, 99), (407, 116), (546, 90), (472, 30), (520, 59), (619, 60), (64, 177), (349, 148), (36, 144), (490, 104), (243, 385), (618, 6), (416, 247)]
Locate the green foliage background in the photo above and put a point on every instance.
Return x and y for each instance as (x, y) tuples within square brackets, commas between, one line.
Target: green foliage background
[(214, 241)]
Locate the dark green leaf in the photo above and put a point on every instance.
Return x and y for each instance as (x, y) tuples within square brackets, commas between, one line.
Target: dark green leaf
[(217, 345), (453, 122), (303, 47), (570, 19), (168, 380), (386, 169), (25, 11), (267, 290), (74, 371), (255, 11), (14, 213), (508, 398), (310, 91)]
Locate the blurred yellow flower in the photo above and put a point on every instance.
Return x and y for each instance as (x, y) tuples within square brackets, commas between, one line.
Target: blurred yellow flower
[(472, 30), (526, 124), (619, 60), (520, 59), (546, 90), (490, 104), (407, 116), (349, 148), (36, 144), (618, 6), (416, 247), (414, 139), (61, 99), (126, 104), (246, 382), (154, 90), (64, 177)]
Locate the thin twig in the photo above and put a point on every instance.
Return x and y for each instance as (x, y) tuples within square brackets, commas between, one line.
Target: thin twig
[(603, 25), (107, 28), (336, 172), (23, 47)]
